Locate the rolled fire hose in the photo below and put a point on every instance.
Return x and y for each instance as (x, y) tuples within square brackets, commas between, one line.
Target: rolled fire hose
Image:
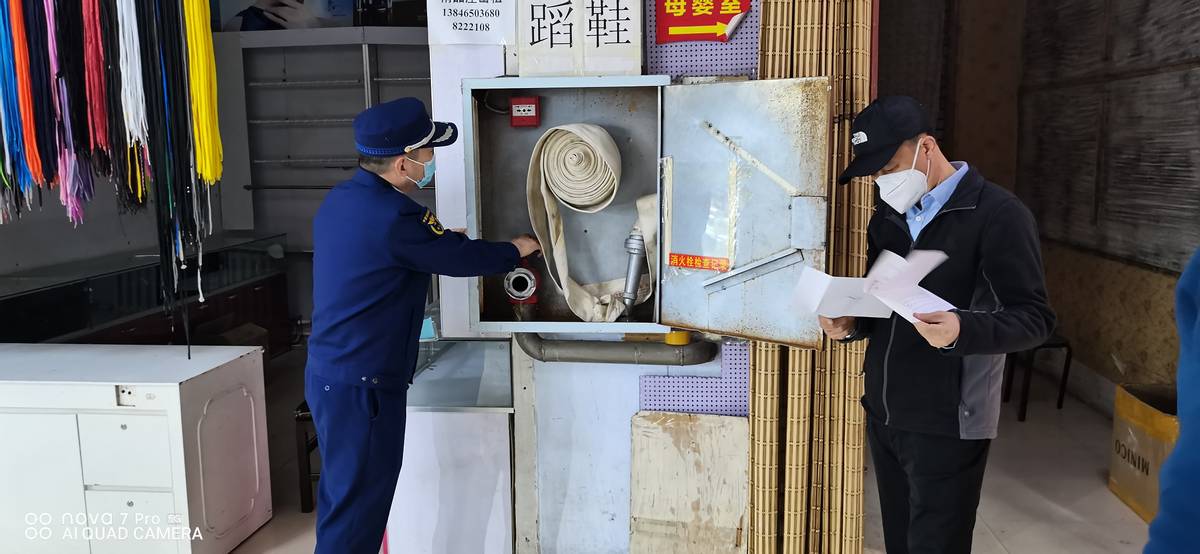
[(579, 165)]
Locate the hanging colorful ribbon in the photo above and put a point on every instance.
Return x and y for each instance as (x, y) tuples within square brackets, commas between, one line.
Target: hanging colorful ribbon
[(43, 100), (16, 168), (94, 68), (133, 99), (203, 87), (120, 89), (20, 44)]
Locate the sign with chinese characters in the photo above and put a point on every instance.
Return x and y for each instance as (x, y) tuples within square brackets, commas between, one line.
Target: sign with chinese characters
[(472, 21), (698, 262), (698, 20), (579, 37)]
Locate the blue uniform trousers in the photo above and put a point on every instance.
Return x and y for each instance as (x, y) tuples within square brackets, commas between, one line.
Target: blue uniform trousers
[(360, 431)]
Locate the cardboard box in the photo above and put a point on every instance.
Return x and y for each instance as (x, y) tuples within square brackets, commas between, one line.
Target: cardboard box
[(1145, 429)]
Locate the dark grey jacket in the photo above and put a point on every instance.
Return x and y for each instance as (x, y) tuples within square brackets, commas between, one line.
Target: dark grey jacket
[(994, 276)]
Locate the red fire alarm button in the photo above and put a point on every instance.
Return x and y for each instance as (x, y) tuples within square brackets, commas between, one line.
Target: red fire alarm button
[(526, 111)]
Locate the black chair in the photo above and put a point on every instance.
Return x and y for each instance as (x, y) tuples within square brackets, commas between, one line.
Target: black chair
[(1055, 342), (305, 444)]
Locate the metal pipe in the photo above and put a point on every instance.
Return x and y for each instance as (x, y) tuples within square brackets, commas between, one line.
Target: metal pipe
[(635, 245), (586, 351), (368, 93)]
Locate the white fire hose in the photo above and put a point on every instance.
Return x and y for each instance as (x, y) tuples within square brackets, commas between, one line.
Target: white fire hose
[(580, 166)]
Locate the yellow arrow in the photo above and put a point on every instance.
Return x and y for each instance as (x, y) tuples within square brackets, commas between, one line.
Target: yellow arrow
[(718, 29)]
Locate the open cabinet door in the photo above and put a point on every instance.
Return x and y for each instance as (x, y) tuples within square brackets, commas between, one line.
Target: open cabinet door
[(745, 186)]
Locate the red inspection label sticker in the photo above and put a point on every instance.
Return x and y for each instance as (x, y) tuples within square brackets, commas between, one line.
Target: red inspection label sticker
[(699, 262)]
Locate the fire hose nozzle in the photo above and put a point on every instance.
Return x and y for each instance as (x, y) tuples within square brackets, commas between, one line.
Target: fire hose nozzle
[(635, 245)]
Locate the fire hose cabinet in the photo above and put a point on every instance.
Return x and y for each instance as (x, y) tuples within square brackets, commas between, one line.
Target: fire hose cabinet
[(714, 195)]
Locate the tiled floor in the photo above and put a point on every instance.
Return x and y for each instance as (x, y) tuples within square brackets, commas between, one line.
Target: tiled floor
[(1045, 490)]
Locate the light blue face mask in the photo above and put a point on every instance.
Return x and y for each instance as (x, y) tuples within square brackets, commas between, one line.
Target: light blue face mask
[(430, 167)]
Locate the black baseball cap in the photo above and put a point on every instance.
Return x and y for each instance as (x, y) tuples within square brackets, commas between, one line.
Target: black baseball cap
[(879, 130)]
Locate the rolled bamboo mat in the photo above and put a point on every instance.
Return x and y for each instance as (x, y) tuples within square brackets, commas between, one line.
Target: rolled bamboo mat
[(820, 456), (765, 395), (798, 448), (775, 39), (816, 505)]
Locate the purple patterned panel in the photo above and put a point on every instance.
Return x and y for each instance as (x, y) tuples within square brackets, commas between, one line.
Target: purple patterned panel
[(728, 394), (737, 57)]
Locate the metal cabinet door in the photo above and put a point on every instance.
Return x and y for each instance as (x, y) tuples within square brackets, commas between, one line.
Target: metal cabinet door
[(745, 188)]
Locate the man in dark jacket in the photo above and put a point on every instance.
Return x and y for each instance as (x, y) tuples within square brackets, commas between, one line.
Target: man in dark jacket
[(933, 389)]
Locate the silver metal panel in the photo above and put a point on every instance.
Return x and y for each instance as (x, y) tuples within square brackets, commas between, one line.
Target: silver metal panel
[(237, 203), (497, 166), (747, 180), (810, 223)]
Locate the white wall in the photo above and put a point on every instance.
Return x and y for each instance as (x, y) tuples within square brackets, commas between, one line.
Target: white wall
[(584, 453), (584, 441), (448, 66)]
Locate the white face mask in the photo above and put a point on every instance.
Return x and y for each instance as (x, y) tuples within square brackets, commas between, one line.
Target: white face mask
[(902, 190)]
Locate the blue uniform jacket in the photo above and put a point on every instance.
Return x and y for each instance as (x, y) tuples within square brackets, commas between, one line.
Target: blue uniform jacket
[(374, 249), (1177, 525)]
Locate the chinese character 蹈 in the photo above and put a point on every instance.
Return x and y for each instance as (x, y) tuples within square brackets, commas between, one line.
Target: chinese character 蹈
[(551, 22)]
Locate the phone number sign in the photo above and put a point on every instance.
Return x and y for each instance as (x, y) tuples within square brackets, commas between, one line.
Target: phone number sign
[(698, 20), (472, 21)]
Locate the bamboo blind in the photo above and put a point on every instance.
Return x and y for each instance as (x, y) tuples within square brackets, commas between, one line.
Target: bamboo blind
[(807, 474)]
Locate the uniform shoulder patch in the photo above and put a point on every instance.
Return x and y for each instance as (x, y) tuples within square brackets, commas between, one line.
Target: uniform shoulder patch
[(431, 222)]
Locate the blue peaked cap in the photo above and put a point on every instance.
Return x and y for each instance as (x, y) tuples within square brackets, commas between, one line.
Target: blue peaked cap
[(399, 127)]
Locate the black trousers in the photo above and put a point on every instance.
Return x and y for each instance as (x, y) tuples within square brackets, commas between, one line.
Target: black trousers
[(929, 489)]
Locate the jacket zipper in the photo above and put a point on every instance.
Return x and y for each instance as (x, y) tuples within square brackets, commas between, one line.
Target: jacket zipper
[(887, 354), (887, 413)]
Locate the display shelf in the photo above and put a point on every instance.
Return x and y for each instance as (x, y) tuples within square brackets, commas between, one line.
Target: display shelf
[(118, 298), (334, 36), (39, 279), (464, 375)]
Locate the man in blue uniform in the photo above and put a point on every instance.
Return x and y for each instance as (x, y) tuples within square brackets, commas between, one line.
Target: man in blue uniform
[(374, 249)]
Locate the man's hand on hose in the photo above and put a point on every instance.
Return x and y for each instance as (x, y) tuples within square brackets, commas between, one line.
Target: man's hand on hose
[(526, 245)]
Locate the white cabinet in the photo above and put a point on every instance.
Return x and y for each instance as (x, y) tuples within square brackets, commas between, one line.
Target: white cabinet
[(131, 449), (455, 492)]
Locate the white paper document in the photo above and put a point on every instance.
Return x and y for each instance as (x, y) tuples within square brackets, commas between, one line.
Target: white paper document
[(837, 296), (890, 285)]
